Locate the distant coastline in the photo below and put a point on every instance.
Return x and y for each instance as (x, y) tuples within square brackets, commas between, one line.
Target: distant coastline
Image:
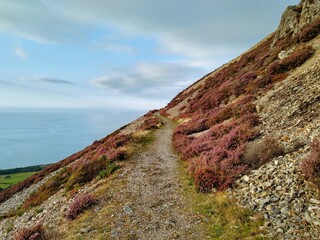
[(35, 136), (34, 168)]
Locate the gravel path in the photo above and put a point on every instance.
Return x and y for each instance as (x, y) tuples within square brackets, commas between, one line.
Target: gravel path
[(152, 205)]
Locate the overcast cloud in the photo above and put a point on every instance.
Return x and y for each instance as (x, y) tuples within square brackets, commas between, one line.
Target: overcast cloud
[(142, 49), (51, 80)]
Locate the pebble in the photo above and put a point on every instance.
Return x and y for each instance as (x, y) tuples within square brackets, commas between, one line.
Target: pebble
[(127, 210), (85, 229)]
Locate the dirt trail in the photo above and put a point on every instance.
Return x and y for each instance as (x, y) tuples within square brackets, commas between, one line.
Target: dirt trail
[(152, 205)]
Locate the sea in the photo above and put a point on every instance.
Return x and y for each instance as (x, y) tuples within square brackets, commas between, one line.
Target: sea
[(42, 136)]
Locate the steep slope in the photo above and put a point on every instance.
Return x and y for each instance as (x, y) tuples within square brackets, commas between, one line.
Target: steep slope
[(244, 128), (261, 106)]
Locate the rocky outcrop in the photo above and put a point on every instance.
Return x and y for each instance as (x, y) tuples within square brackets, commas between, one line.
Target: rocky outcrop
[(296, 17)]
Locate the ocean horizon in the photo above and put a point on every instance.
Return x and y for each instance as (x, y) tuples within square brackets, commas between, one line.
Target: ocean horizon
[(42, 136)]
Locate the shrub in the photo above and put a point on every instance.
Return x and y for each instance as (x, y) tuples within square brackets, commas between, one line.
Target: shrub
[(259, 152), (80, 204), (297, 58), (310, 31), (118, 154), (261, 81), (206, 179), (111, 168), (151, 122), (86, 171), (33, 233), (311, 165)]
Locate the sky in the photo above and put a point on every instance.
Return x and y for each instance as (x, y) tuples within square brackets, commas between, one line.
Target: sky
[(122, 53)]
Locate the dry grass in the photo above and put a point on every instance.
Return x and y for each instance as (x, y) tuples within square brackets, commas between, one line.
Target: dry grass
[(223, 218), (259, 152)]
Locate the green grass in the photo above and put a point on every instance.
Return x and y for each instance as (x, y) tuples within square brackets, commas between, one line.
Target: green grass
[(8, 180), (225, 220)]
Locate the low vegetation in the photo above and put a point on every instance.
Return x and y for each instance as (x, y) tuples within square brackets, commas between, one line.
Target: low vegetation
[(259, 152), (310, 31), (295, 59), (221, 119), (36, 232), (80, 204), (225, 219), (311, 165)]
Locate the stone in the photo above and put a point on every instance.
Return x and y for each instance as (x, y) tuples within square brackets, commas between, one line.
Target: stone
[(282, 55), (170, 223), (267, 184), (314, 201), (308, 218), (280, 231), (269, 208), (127, 210), (246, 178), (85, 229), (274, 199)]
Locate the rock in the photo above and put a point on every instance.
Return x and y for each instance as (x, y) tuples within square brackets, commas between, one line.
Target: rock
[(308, 218), (280, 231), (127, 210), (245, 178), (85, 229), (282, 55), (170, 223), (274, 199), (267, 184), (314, 201), (269, 208)]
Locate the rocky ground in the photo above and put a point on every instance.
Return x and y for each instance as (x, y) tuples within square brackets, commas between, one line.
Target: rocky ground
[(152, 205), (18, 198), (290, 206), (290, 114)]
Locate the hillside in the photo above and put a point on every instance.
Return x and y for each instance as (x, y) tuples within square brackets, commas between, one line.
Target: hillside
[(244, 163)]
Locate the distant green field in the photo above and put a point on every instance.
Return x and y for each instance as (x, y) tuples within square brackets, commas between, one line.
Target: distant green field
[(8, 180)]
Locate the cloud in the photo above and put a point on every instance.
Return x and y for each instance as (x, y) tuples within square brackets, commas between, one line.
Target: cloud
[(113, 47), (199, 25), (20, 52), (51, 80), (36, 21), (152, 79)]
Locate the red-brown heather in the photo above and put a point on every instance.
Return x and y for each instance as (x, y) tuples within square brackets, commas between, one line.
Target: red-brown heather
[(80, 204), (311, 165), (36, 232), (222, 117)]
